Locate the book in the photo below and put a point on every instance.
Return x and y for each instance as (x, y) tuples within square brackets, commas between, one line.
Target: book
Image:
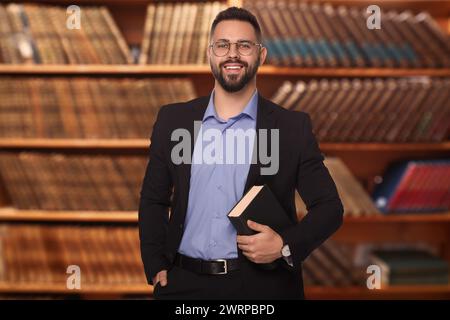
[(259, 204)]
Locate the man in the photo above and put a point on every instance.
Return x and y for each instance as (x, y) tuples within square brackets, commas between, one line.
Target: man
[(194, 252)]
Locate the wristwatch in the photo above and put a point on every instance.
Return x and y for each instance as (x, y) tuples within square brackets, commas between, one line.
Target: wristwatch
[(286, 254)]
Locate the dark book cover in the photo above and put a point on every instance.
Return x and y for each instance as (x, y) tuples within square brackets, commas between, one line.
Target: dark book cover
[(259, 204)]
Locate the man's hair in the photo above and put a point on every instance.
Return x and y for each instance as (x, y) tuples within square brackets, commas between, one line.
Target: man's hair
[(240, 14)]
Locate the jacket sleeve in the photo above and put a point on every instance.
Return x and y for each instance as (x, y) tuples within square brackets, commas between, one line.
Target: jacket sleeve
[(155, 201), (319, 193)]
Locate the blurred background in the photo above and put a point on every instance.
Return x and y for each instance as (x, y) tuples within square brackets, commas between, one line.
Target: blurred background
[(80, 87)]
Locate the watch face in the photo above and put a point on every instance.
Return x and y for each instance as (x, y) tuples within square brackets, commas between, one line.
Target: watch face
[(285, 251)]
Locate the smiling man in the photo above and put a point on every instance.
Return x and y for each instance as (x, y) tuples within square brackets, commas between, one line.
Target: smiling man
[(194, 252)]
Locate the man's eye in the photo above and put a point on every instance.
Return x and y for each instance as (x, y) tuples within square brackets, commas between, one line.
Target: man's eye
[(222, 45), (245, 45)]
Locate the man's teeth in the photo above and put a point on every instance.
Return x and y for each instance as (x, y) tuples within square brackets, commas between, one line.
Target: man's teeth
[(233, 67)]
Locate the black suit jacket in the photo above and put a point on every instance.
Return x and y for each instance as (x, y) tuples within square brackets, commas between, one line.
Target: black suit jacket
[(301, 167)]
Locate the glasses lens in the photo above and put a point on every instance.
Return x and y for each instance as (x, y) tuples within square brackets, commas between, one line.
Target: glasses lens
[(245, 48), (221, 48)]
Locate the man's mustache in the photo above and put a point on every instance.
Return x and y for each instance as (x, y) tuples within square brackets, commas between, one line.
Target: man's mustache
[(234, 61)]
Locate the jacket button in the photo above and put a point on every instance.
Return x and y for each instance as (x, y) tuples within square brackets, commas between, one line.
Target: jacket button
[(181, 226)]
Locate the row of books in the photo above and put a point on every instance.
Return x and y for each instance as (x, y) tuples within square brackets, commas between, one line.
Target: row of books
[(178, 33), (102, 182), (355, 200), (336, 264), (392, 110), (295, 33), (314, 35), (38, 34), (372, 110), (42, 254), (72, 182), (85, 107), (111, 183), (414, 186)]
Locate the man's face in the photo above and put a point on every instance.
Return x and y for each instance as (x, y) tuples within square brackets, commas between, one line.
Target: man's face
[(232, 79)]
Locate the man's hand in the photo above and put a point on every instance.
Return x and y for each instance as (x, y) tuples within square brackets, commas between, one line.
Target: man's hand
[(160, 277), (263, 247)]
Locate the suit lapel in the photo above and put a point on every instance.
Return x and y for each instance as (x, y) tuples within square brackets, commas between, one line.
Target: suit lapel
[(197, 111), (263, 121)]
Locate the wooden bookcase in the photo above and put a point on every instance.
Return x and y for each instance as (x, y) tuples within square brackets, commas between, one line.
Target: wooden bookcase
[(366, 160)]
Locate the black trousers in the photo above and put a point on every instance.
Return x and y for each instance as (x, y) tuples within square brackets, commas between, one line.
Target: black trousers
[(249, 282)]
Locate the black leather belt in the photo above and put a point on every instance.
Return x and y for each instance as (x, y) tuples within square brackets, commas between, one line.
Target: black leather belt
[(219, 266)]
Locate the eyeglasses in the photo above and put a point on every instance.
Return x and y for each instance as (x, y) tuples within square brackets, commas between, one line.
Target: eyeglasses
[(245, 48)]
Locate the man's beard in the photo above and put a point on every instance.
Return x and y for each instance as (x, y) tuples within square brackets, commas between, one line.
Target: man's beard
[(230, 83)]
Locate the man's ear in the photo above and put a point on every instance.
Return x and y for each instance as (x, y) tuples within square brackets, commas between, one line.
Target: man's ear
[(263, 55)]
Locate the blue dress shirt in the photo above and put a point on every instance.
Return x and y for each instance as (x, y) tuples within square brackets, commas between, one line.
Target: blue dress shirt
[(217, 182)]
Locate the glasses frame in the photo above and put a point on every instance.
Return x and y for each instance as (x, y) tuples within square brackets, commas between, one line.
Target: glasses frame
[(236, 43)]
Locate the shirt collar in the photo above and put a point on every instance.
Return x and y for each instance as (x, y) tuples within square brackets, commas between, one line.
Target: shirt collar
[(250, 109)]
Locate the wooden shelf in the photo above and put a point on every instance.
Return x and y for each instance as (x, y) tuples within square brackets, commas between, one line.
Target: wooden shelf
[(401, 228), (376, 146), (43, 143), (400, 218), (11, 214), (129, 70), (32, 288), (393, 292), (315, 292)]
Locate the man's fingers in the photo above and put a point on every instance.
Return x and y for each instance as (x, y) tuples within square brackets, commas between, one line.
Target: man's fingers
[(247, 239), (244, 247), (256, 226)]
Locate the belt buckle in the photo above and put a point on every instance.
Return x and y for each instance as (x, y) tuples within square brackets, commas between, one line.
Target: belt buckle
[(224, 266)]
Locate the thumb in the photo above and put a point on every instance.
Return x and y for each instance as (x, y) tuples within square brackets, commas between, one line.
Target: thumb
[(163, 278), (256, 226)]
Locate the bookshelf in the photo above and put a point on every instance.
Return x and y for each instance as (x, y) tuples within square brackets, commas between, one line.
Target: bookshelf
[(265, 70), (130, 17)]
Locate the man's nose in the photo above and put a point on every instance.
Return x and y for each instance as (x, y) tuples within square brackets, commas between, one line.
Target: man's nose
[(233, 50)]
